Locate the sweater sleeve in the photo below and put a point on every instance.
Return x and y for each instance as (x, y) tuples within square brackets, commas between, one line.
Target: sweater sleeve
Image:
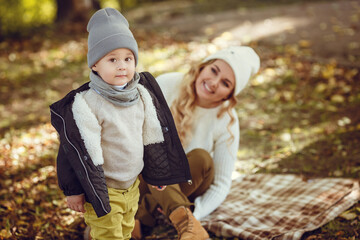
[(169, 83), (224, 161)]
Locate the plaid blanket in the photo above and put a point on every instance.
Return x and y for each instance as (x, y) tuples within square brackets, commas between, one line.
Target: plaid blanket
[(266, 206)]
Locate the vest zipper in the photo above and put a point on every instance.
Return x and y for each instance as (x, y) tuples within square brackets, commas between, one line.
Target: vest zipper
[(78, 153)]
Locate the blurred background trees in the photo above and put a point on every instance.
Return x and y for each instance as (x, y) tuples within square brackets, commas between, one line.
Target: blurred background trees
[(19, 17)]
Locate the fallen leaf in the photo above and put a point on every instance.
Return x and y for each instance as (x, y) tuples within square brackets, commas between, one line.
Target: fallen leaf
[(304, 43), (337, 98), (321, 87), (348, 215), (4, 233)]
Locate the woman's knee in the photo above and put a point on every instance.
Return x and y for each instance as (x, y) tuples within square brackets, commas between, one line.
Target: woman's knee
[(200, 160), (202, 172)]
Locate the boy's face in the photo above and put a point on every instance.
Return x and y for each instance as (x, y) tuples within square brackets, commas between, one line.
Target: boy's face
[(117, 67)]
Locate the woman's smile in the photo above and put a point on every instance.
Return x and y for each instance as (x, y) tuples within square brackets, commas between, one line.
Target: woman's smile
[(207, 88)]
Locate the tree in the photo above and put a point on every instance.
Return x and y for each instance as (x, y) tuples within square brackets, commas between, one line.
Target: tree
[(75, 10)]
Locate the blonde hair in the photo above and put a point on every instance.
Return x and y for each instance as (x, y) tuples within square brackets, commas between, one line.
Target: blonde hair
[(184, 105)]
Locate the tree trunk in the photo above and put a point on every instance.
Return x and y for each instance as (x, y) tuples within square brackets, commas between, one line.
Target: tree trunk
[(74, 10)]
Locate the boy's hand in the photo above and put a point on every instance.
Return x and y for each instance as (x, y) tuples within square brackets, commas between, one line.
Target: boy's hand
[(159, 188), (76, 202)]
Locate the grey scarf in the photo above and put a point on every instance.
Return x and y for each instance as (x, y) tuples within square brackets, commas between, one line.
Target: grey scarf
[(125, 97)]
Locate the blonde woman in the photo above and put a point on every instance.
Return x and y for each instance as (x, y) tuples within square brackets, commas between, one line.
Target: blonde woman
[(202, 103)]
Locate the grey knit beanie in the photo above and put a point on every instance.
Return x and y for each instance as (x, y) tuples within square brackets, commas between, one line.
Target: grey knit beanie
[(108, 30)]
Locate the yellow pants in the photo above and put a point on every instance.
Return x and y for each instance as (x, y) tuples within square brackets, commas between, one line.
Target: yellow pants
[(119, 223)]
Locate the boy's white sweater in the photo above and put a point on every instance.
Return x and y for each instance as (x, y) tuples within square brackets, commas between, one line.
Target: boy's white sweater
[(209, 133), (115, 136)]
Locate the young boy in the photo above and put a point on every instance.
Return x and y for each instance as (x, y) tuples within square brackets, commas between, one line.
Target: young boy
[(112, 129)]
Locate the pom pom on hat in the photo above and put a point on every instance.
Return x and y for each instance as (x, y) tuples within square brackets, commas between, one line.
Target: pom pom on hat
[(108, 30), (244, 62)]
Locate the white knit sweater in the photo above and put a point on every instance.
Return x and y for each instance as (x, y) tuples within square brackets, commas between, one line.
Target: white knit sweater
[(209, 133)]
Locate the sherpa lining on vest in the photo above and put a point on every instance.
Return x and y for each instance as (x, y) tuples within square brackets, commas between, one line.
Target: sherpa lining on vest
[(90, 129)]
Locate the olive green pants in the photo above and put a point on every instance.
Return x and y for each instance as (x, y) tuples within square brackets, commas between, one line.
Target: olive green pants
[(183, 194)]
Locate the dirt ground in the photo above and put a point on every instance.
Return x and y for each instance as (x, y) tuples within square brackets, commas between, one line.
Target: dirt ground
[(329, 30)]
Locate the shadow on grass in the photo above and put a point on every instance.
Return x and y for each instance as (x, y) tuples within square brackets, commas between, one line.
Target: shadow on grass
[(25, 100), (337, 155)]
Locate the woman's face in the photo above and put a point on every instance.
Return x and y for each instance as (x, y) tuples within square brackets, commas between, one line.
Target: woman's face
[(214, 84)]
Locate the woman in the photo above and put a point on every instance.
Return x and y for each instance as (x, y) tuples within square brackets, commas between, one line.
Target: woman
[(202, 103)]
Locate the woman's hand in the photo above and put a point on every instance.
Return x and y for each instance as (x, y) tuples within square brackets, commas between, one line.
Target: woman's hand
[(159, 188), (76, 202)]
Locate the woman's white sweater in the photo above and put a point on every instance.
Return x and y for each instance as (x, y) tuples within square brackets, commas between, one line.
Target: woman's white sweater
[(209, 133)]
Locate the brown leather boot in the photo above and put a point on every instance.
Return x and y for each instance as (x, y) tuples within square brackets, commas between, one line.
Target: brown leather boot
[(136, 233), (187, 226)]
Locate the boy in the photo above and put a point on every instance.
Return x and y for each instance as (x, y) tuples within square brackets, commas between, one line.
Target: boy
[(112, 129)]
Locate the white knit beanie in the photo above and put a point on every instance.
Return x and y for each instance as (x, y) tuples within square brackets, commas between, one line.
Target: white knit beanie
[(244, 62), (108, 30)]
